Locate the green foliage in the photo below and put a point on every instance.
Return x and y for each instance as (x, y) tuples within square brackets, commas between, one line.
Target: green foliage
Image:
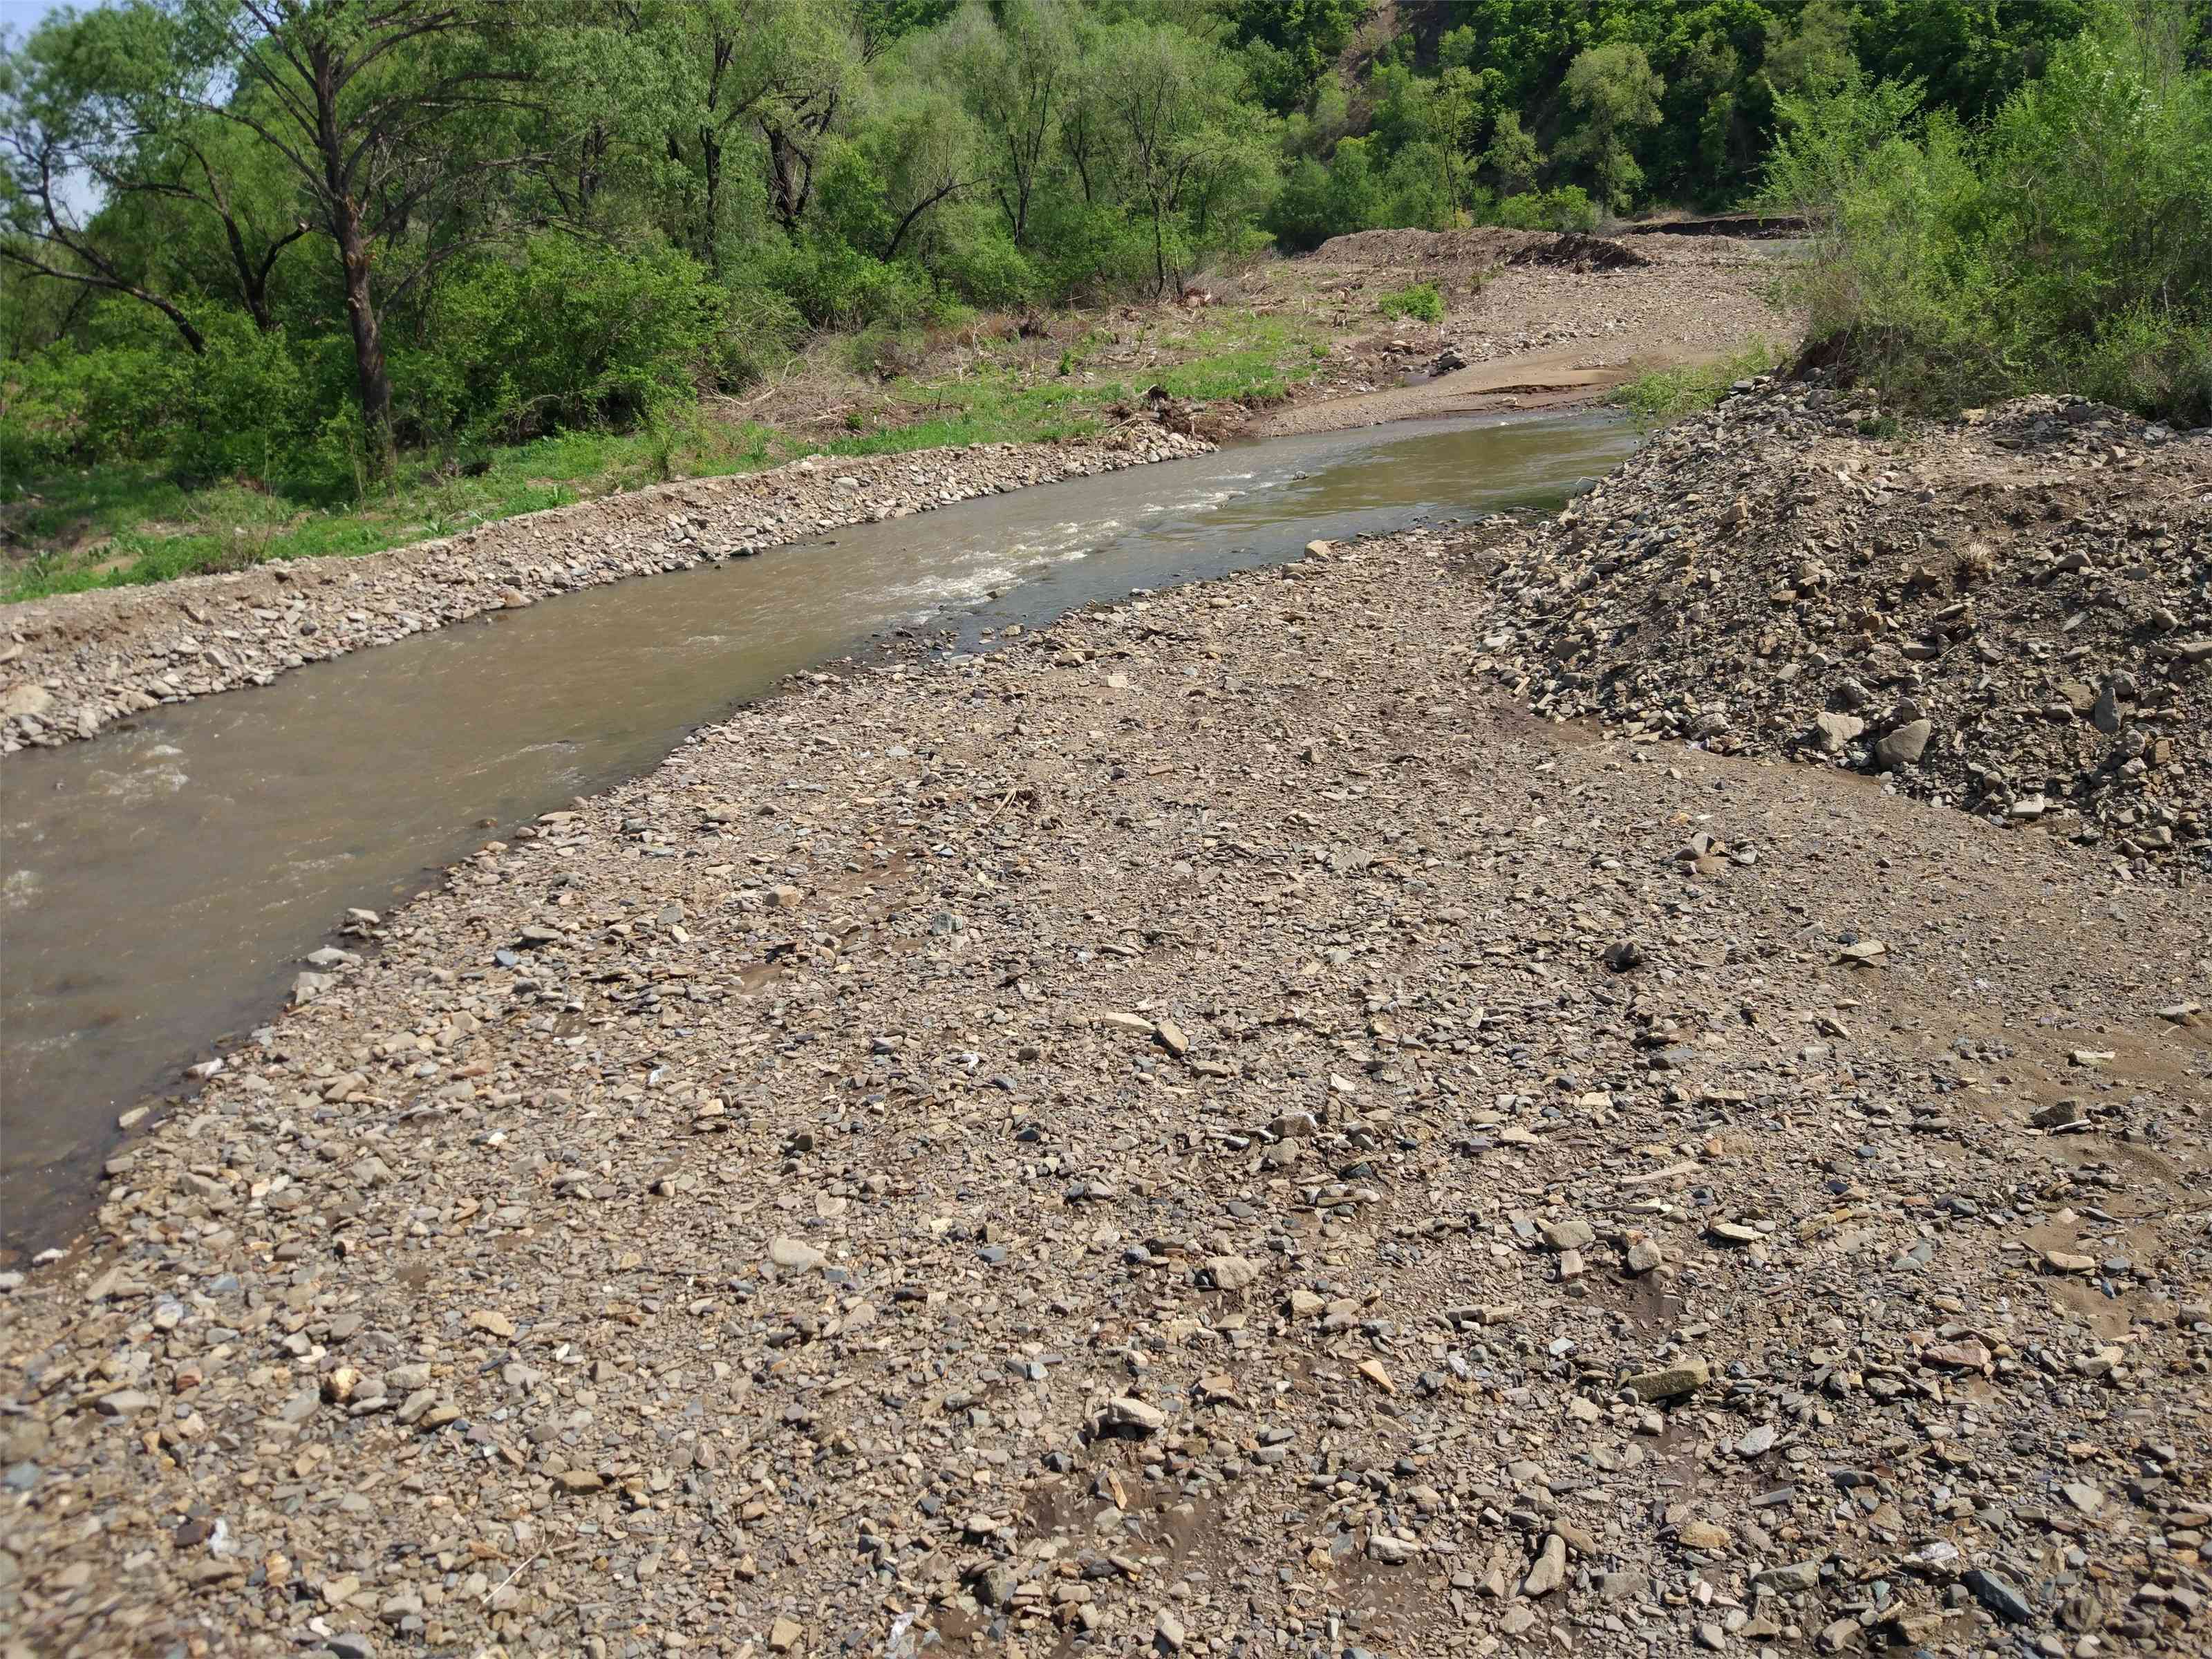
[(2067, 247), (1613, 89), (576, 218), (834, 284), (559, 336), (1567, 208), (1513, 155), (1424, 187), (1420, 300), (143, 527), (1971, 54), (567, 336), (245, 404), (1290, 42), (1830, 130)]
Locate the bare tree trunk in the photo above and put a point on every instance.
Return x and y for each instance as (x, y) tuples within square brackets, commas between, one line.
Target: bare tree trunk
[(372, 378), (710, 163)]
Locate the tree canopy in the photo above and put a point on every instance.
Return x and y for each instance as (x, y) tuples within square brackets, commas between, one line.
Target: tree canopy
[(300, 226)]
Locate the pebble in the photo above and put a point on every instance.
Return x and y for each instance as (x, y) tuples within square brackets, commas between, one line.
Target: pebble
[(1669, 1382), (1999, 1595), (1824, 587), (1549, 1570)]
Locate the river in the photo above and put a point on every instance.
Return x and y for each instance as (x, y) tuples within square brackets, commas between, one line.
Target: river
[(163, 882)]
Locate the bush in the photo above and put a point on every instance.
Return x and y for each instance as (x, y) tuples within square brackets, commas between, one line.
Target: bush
[(1299, 215), (1420, 188), (1091, 251), (2069, 248), (1661, 395), (1417, 300), (833, 284), (987, 269), (561, 336), (246, 406), (565, 336), (1568, 208)]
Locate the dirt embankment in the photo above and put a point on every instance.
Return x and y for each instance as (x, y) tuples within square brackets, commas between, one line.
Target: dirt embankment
[(72, 664), (1210, 1129)]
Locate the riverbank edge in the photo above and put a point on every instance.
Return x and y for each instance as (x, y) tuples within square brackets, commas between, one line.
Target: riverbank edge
[(74, 665)]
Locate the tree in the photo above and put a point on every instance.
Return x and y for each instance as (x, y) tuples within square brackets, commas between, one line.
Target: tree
[(882, 23), (1970, 53), (1016, 78), (814, 78), (83, 105), (1300, 38), (923, 148), (1616, 92), (389, 115), (1830, 133), (1815, 51), (1172, 102), (779, 70), (1513, 155)]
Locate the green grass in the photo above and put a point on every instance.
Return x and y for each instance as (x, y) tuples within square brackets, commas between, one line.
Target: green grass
[(119, 525), (116, 526), (1417, 300), (1237, 356), (1664, 395)]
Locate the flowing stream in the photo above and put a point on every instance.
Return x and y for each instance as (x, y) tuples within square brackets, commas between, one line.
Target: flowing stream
[(159, 885)]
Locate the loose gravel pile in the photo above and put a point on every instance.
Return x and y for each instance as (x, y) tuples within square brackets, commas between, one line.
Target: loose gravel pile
[(1207, 1131), (72, 664), (2012, 614)]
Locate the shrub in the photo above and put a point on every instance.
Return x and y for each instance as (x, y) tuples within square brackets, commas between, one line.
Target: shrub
[(1420, 188), (565, 336), (1420, 300), (1661, 395), (1091, 251), (987, 269), (2069, 247), (1299, 214), (1568, 208), (833, 284), (245, 406)]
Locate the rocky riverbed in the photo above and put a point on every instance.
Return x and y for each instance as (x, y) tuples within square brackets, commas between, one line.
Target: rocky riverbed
[(72, 664), (1208, 1130)]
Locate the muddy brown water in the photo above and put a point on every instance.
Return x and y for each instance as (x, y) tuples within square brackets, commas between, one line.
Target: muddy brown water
[(159, 885)]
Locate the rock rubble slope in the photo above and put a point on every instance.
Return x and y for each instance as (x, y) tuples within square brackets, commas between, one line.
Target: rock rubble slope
[(2012, 615), (72, 664), (1205, 1132)]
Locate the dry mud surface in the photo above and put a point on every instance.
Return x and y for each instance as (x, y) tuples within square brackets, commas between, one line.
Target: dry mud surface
[(1209, 1131), (74, 664)]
